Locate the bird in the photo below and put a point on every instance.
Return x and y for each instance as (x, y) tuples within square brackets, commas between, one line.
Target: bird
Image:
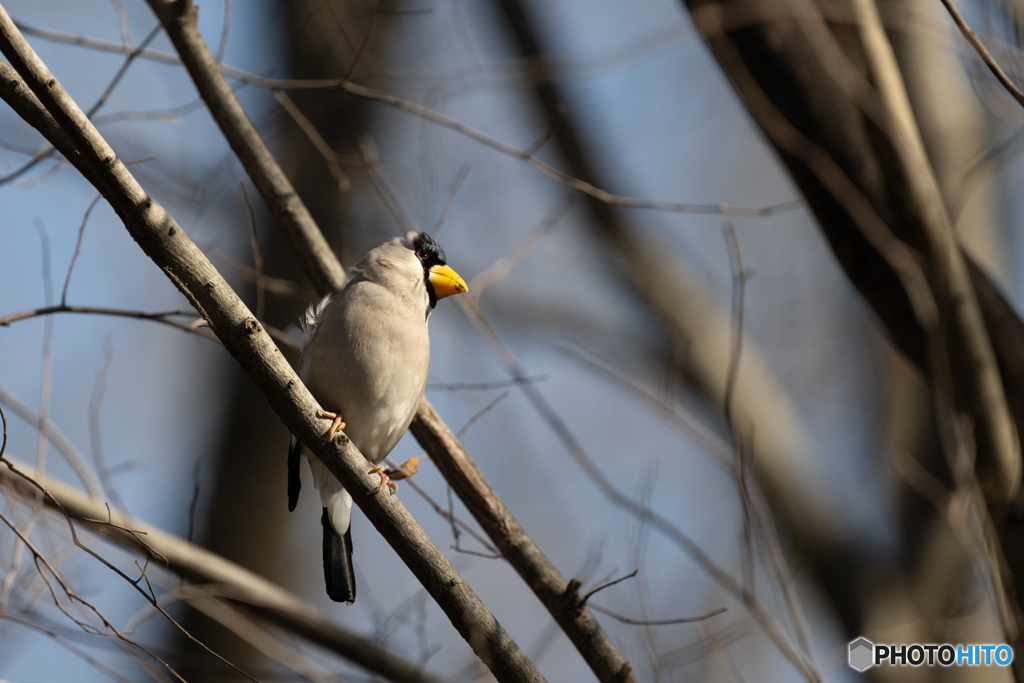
[(364, 356)]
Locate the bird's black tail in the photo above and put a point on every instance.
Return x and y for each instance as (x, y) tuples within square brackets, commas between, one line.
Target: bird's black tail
[(338, 573), (294, 483)]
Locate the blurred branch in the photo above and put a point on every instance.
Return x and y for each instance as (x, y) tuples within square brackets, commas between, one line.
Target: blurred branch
[(130, 55), (179, 21), (769, 624), (210, 83), (61, 442), (843, 127), (236, 584), (983, 52), (169, 246)]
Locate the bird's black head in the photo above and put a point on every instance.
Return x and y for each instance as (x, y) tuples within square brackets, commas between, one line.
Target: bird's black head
[(428, 251), (430, 254)]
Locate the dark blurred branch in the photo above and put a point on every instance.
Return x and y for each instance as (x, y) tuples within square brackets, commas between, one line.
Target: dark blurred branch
[(836, 112), (166, 243), (236, 584)]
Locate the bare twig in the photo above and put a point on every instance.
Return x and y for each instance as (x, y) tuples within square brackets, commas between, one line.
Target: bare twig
[(48, 150), (170, 247), (307, 127), (74, 597), (95, 310), (757, 610), (983, 52), (481, 386), (383, 186), (179, 21), (608, 584), (366, 41), (225, 27), (257, 257), (96, 430), (656, 622), (739, 279), (237, 584), (78, 249), (449, 198), (480, 413)]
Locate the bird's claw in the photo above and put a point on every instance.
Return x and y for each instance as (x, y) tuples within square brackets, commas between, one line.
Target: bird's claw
[(336, 426), (385, 480)]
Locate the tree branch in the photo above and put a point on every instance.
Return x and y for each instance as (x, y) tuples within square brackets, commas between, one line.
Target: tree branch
[(186, 266), (235, 583), (983, 52), (179, 21), (436, 438)]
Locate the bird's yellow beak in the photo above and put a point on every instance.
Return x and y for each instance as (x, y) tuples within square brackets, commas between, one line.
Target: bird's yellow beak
[(446, 282)]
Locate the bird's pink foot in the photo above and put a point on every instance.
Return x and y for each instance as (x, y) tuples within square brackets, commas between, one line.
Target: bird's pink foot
[(336, 426), (385, 480)]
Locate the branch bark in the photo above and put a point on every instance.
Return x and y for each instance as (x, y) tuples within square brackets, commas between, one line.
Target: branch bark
[(551, 588), (170, 248), (236, 584)]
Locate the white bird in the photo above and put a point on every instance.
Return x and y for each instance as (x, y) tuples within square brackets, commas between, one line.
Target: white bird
[(365, 356)]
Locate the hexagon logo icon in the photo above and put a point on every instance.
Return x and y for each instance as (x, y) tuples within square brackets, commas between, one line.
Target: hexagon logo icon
[(862, 654)]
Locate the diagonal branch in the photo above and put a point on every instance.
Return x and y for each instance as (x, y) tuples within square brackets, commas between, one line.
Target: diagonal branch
[(170, 248), (237, 584), (433, 434), (179, 21), (983, 52)]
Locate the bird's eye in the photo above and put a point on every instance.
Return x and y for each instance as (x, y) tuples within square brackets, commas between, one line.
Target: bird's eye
[(421, 255)]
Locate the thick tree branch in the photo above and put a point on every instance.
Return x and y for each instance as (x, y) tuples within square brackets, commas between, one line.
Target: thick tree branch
[(436, 438), (219, 576), (186, 266)]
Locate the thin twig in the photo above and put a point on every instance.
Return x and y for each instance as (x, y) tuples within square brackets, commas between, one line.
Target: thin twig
[(78, 249), (739, 279), (656, 622), (383, 186), (469, 131), (983, 52), (307, 127), (233, 582), (482, 386), (608, 584), (95, 428), (366, 41), (449, 198), (194, 327), (257, 257)]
